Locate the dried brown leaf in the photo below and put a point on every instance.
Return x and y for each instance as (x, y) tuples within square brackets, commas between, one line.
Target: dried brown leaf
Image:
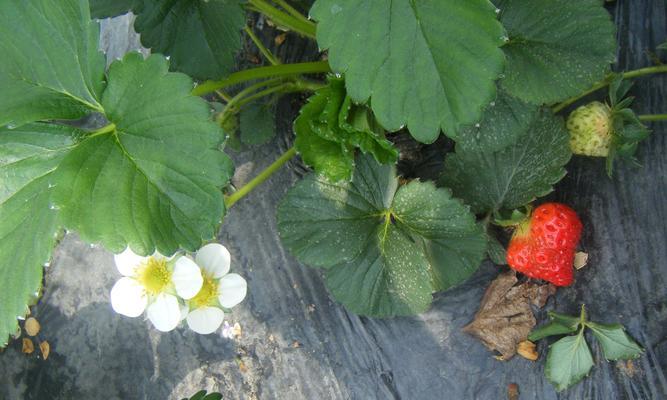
[(527, 350), (505, 317), (28, 346), (32, 326), (580, 259), (280, 39), (45, 347)]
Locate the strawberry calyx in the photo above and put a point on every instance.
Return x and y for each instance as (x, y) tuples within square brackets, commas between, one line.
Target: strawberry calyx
[(516, 218), (522, 230)]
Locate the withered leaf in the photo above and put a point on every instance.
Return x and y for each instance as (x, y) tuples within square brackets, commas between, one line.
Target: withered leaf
[(505, 317), (528, 350), (45, 348), (32, 326), (28, 346)]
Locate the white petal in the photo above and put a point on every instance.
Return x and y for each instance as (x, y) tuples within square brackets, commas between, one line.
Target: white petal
[(187, 278), (205, 320), (215, 259), (128, 297), (232, 290), (127, 261), (164, 312)]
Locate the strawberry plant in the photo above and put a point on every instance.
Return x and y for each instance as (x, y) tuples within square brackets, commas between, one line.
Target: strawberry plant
[(133, 156)]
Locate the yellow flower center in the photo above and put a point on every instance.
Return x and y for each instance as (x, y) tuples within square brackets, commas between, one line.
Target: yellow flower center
[(154, 275), (207, 294)]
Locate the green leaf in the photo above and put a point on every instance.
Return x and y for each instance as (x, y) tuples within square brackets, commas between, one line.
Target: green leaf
[(566, 320), (495, 251), (550, 329), (515, 155), (109, 8), (377, 43), (28, 220), (616, 344), (329, 158), (202, 37), (364, 133), (557, 48), (569, 360), (257, 123), (50, 66), (385, 248), (329, 128), (153, 179), (213, 396), (198, 396)]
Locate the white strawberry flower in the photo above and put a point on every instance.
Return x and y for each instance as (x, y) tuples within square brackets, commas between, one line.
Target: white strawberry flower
[(152, 284), (221, 290)]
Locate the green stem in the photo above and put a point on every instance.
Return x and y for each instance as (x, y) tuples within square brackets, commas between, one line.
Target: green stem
[(265, 52), (298, 85), (286, 87), (315, 67), (259, 179), (607, 80), (271, 86), (292, 11), (223, 95), (231, 106), (582, 317), (305, 28), (653, 117)]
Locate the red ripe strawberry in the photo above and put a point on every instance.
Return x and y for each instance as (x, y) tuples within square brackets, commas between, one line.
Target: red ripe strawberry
[(543, 246)]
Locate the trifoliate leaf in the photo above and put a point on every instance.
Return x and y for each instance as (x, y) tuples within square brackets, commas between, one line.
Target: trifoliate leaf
[(385, 248), (257, 123), (568, 362), (28, 220), (550, 329), (556, 49), (110, 8), (329, 128), (50, 67), (615, 343), (514, 155), (153, 178), (202, 37), (378, 43)]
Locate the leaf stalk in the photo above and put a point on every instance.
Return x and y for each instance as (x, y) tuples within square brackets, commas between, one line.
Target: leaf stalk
[(653, 117), (607, 80), (273, 60), (316, 67), (259, 179), (299, 25)]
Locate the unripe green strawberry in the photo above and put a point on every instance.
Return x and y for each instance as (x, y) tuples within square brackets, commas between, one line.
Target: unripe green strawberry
[(590, 129)]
